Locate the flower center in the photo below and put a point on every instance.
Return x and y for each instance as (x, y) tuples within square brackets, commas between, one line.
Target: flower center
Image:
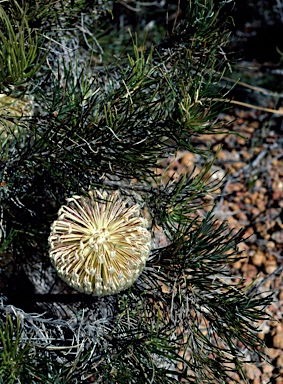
[(101, 236)]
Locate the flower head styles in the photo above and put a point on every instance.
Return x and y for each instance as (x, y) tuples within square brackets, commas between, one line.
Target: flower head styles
[(99, 244)]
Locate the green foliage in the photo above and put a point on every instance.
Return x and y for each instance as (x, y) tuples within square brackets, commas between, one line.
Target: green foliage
[(14, 354), (106, 114), (19, 46), (192, 307)]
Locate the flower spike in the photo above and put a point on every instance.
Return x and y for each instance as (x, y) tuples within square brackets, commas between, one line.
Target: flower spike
[(99, 244)]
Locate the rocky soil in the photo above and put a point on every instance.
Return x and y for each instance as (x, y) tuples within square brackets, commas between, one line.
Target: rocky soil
[(251, 198)]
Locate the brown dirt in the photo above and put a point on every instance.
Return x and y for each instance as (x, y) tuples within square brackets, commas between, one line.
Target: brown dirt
[(251, 199)]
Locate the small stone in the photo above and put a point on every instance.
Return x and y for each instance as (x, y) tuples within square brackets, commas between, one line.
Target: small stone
[(241, 140), (254, 197), (252, 371), (238, 165), (279, 362), (249, 232), (170, 175), (247, 200), (270, 268), (261, 205), (222, 155), (158, 171), (247, 156), (231, 221), (255, 211), (242, 216), (265, 328), (253, 125), (278, 340), (237, 264), (251, 271), (276, 195), (234, 187), (243, 247), (277, 237), (270, 245), (258, 258), (187, 160), (274, 352), (267, 368)]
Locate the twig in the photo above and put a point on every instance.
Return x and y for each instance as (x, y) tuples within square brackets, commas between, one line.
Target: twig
[(253, 87), (269, 110), (277, 271)]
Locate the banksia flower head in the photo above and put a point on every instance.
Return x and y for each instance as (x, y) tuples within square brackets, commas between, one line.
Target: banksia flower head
[(99, 244)]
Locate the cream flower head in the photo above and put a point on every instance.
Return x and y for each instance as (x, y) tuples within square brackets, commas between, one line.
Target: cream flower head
[(99, 244)]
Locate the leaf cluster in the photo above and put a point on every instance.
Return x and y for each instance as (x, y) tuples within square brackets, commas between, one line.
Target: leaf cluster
[(20, 54), (110, 126), (191, 314), (14, 354)]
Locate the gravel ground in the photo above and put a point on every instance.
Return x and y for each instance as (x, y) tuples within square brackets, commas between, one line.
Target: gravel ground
[(251, 199)]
